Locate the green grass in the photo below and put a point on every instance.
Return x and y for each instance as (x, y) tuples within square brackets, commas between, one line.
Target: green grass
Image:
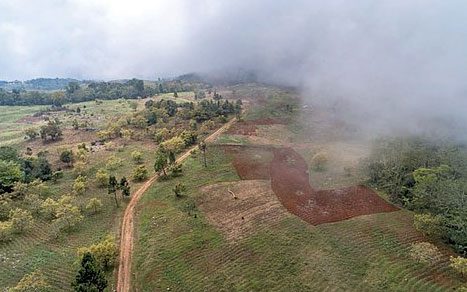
[(175, 250), (11, 130)]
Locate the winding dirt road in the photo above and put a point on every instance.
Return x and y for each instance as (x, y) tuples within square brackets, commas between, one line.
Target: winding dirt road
[(126, 236)]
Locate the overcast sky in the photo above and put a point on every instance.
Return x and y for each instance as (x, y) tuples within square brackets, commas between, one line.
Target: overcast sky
[(400, 55)]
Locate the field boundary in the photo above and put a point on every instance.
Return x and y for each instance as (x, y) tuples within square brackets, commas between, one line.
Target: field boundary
[(127, 230)]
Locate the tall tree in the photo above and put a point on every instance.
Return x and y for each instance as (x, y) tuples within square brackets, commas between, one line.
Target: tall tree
[(112, 188), (90, 276)]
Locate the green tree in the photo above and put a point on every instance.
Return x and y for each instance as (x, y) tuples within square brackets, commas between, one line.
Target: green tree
[(202, 147), (179, 189), (67, 157), (161, 162), (140, 173), (459, 264), (6, 231), (112, 188), (10, 172), (51, 129), (79, 185), (102, 178), (137, 157), (90, 277), (125, 187), (94, 204), (104, 251)]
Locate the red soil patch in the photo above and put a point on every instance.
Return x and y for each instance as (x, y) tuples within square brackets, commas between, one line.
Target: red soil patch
[(290, 182), (248, 128), (250, 163)]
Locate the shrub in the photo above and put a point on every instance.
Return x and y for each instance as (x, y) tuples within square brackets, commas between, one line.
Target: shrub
[(79, 185), (94, 205), (105, 252), (113, 163), (175, 144), (428, 224), (319, 161), (137, 157), (424, 252), (140, 173), (102, 178), (6, 231), (21, 220), (67, 216), (459, 264), (34, 281)]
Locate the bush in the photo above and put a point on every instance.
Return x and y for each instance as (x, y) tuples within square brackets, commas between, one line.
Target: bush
[(319, 161), (175, 144), (428, 224), (21, 220), (102, 178), (94, 205), (105, 252), (140, 173), (113, 163), (34, 281), (424, 252), (79, 185), (459, 264), (6, 231), (137, 157)]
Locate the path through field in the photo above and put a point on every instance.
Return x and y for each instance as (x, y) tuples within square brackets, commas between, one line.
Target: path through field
[(126, 239)]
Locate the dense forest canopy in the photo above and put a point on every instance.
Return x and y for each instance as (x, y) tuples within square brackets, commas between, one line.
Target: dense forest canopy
[(70, 90), (428, 177)]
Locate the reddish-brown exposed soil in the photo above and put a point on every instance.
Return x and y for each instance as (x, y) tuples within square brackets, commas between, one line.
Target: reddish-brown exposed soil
[(290, 182), (248, 128), (250, 163), (288, 172)]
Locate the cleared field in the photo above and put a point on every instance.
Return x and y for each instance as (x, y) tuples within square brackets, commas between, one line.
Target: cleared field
[(186, 244)]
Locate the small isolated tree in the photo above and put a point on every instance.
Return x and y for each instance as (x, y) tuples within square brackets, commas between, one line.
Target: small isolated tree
[(424, 252), (137, 157), (125, 187), (319, 161), (32, 282), (94, 205), (21, 220), (133, 105), (67, 157), (202, 147), (33, 203), (161, 163), (90, 277), (102, 178), (79, 185), (112, 188), (6, 231), (104, 251), (179, 189), (75, 124), (67, 216), (140, 173), (459, 264)]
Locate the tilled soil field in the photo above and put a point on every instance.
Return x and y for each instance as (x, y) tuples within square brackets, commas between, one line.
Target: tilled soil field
[(288, 173)]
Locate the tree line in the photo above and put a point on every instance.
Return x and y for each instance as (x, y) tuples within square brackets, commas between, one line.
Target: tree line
[(76, 91), (428, 177)]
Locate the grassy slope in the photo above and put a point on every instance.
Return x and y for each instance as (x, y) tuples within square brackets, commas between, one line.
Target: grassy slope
[(178, 251), (38, 249)]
